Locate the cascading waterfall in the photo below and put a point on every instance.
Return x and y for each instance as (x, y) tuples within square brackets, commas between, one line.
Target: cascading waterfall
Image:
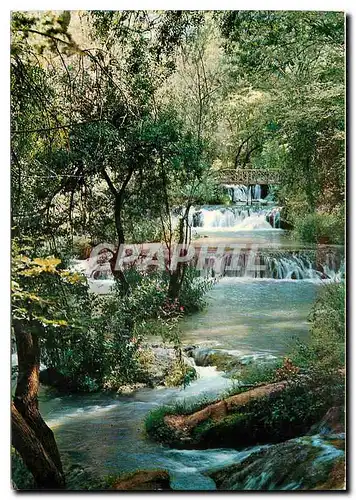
[(257, 192), (242, 193), (277, 265), (235, 217), (266, 263)]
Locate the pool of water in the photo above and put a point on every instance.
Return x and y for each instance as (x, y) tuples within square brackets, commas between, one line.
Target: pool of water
[(253, 315)]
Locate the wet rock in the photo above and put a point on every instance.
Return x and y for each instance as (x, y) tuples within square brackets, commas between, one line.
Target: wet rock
[(229, 361), (163, 365), (130, 388), (333, 422), (151, 480), (306, 463)]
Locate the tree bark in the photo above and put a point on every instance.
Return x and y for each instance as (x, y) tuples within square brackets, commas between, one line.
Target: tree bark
[(119, 203), (222, 408), (34, 455), (177, 275), (30, 434)]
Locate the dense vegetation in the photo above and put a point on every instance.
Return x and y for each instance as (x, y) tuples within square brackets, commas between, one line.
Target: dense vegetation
[(122, 121)]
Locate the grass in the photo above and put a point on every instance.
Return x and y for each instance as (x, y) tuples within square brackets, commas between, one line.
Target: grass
[(155, 426)]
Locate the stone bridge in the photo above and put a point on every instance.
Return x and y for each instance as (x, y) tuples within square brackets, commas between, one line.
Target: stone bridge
[(249, 176)]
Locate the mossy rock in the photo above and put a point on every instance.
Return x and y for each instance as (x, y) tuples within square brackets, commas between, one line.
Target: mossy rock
[(307, 463), (146, 480)]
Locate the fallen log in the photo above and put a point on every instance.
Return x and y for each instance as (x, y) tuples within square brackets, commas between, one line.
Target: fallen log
[(219, 410)]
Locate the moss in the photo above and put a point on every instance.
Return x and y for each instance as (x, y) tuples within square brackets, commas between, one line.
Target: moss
[(224, 362), (21, 477), (149, 480), (228, 430), (155, 426), (336, 479)]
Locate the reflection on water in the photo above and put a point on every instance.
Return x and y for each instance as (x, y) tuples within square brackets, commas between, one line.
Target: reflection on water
[(253, 315)]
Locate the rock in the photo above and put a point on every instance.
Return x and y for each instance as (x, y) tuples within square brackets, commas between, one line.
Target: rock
[(161, 366), (150, 480), (332, 423), (130, 388), (306, 463), (229, 361)]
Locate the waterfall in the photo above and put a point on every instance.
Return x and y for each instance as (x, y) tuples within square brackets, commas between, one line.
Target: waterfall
[(242, 193), (235, 217), (238, 192), (277, 265), (257, 192)]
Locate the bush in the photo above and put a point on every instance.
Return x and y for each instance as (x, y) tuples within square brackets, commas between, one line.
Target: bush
[(193, 291), (320, 227), (325, 350), (256, 374), (141, 229)]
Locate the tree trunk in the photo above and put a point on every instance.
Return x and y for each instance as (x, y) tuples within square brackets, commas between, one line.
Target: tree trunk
[(34, 455), (118, 273), (177, 275), (219, 410), (30, 434)]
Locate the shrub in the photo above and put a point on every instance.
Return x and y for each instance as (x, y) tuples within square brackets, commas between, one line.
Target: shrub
[(325, 350), (256, 374), (193, 290), (316, 227)]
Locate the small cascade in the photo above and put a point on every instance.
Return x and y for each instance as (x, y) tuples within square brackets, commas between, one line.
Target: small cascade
[(273, 217), (237, 193), (278, 265), (257, 192), (235, 217), (242, 193)]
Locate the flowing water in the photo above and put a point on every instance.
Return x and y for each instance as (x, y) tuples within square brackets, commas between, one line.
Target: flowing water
[(249, 315)]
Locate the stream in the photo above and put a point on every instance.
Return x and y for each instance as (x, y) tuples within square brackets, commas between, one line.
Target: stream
[(103, 434)]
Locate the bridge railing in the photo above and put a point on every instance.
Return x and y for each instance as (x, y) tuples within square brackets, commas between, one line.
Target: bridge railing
[(249, 176)]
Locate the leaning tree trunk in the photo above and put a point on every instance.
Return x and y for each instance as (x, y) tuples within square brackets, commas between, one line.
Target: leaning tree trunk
[(177, 275), (118, 273), (31, 436)]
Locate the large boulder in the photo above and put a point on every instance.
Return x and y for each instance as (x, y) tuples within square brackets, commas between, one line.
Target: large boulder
[(306, 463), (145, 480), (162, 365), (231, 362)]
